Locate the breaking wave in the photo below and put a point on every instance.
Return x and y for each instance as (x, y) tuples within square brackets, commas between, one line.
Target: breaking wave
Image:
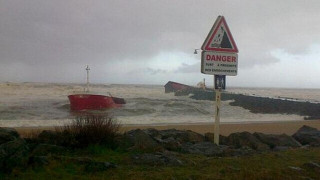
[(146, 104)]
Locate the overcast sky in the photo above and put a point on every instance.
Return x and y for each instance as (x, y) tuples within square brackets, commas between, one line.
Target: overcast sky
[(152, 41)]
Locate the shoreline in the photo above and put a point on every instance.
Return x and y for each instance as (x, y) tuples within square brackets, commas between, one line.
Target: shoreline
[(267, 127)]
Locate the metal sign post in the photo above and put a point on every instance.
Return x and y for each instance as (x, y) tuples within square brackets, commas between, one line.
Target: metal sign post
[(219, 84), (217, 117), (219, 58)]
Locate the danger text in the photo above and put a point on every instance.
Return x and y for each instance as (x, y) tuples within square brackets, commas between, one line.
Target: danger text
[(221, 58)]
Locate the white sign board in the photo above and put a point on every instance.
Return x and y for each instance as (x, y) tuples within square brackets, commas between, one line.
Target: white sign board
[(219, 63)]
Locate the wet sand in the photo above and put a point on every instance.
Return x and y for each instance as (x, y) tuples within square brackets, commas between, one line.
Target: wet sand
[(225, 129), (287, 127)]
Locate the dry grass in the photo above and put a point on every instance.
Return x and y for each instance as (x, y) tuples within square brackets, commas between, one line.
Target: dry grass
[(32, 134), (93, 129)]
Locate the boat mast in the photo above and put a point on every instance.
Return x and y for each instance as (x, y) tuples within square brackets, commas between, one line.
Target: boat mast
[(88, 69)]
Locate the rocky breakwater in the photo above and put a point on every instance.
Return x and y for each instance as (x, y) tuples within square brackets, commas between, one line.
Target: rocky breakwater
[(259, 104), (271, 105)]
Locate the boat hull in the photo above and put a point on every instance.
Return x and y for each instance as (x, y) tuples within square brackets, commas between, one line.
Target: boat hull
[(174, 86), (93, 102)]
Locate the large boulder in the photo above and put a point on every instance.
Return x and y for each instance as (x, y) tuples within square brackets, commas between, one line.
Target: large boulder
[(182, 136), (204, 148), (243, 151), (241, 139), (277, 140), (152, 132), (172, 139), (140, 140), (169, 143), (307, 136), (10, 131), (8, 134), (12, 154), (210, 137)]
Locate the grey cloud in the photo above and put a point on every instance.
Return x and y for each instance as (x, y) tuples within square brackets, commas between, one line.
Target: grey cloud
[(54, 33), (186, 68), (155, 71), (39, 31), (147, 71)]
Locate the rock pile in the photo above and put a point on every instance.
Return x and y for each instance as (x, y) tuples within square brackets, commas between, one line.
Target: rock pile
[(235, 144), (157, 147), (19, 152), (13, 150), (308, 136)]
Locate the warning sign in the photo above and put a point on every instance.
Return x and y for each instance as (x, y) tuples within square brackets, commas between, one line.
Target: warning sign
[(220, 38), (219, 63)]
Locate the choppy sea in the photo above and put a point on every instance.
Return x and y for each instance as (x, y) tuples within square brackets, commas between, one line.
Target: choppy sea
[(46, 104)]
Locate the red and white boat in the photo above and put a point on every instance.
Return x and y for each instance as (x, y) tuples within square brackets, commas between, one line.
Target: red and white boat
[(88, 101)]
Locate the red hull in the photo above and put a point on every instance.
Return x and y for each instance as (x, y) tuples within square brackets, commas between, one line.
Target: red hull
[(177, 86), (93, 102)]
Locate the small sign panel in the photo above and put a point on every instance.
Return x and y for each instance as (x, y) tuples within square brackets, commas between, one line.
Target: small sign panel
[(219, 63), (220, 82), (220, 38)]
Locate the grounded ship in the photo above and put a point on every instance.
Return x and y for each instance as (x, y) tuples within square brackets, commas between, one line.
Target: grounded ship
[(87, 101), (178, 87)]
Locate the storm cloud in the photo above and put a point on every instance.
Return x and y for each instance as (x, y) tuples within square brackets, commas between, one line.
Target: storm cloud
[(146, 41)]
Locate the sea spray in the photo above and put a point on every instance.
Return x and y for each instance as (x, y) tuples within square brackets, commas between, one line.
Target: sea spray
[(45, 104)]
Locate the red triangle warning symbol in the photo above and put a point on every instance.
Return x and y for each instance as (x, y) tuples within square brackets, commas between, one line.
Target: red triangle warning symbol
[(220, 38)]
